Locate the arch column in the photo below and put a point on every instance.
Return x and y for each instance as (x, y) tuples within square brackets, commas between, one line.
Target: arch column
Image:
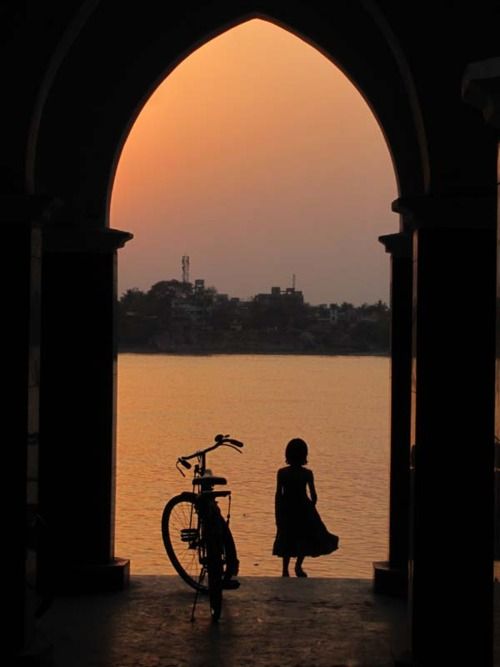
[(481, 89), (21, 217), (391, 577), (78, 409), (452, 519)]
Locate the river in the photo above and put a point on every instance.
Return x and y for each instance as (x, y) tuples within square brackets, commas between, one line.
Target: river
[(170, 406)]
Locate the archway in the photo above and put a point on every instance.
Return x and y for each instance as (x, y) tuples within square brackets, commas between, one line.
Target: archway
[(101, 130), (101, 89), (274, 172)]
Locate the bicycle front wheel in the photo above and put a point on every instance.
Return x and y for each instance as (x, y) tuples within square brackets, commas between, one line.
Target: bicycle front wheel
[(180, 530)]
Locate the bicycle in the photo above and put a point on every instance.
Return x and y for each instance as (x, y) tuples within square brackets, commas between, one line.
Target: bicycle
[(196, 536)]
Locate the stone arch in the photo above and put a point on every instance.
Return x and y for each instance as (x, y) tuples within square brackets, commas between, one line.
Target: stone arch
[(90, 96), (92, 76), (95, 94)]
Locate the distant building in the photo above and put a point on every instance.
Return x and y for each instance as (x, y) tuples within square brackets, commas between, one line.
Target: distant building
[(199, 285), (278, 296)]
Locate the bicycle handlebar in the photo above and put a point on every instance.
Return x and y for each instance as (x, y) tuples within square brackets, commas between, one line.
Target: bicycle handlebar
[(220, 440)]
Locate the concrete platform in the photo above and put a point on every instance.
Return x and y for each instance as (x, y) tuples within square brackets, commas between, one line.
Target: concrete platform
[(269, 621)]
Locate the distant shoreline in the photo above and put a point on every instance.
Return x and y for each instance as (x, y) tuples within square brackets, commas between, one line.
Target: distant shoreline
[(211, 353)]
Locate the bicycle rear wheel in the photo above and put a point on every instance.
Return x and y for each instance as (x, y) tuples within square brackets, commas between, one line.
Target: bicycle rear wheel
[(180, 530)]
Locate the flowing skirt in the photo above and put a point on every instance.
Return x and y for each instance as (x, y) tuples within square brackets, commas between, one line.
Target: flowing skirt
[(301, 532)]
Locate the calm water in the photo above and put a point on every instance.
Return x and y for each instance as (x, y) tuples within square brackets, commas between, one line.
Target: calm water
[(172, 405)]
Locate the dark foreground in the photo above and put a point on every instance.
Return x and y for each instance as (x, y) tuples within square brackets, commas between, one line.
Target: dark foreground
[(268, 621)]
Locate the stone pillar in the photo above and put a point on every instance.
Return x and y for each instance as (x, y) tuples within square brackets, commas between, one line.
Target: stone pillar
[(77, 409), (497, 384), (451, 593), (481, 89), (20, 218), (391, 577)]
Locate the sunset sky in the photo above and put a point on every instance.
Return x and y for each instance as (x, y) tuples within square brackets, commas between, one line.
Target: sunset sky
[(259, 159)]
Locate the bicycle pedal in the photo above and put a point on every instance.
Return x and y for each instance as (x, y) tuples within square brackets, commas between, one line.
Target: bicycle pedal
[(230, 584)]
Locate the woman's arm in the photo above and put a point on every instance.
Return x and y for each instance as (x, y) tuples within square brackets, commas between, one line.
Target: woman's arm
[(278, 498), (312, 488)]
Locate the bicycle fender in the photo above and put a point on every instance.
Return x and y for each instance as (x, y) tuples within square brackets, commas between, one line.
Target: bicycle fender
[(187, 495)]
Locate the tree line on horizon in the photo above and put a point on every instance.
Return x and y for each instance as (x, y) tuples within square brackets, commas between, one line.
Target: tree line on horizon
[(181, 317)]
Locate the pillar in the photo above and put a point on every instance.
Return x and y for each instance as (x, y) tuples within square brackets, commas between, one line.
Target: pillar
[(78, 411), (391, 577), (20, 218), (481, 89), (451, 593), (497, 384)]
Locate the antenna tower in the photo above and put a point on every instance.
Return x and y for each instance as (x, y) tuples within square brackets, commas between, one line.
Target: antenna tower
[(185, 268)]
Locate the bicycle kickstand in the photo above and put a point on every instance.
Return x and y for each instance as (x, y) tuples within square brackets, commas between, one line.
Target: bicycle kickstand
[(202, 575)]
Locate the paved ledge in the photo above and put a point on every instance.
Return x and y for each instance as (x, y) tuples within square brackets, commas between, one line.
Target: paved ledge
[(269, 622)]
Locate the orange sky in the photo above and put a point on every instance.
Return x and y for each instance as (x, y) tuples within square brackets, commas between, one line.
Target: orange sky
[(258, 159)]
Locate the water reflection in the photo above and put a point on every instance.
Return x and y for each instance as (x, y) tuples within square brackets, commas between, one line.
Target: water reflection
[(171, 405)]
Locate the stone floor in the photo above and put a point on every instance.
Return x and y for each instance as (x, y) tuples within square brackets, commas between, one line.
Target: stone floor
[(267, 622)]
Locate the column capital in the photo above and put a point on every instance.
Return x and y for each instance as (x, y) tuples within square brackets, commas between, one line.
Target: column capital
[(481, 89), (23, 208), (77, 239), (474, 209), (398, 244)]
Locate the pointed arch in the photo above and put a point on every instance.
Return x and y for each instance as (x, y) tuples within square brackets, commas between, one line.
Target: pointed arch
[(97, 93)]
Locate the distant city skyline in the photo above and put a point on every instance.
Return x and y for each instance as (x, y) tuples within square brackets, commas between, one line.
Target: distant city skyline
[(181, 278), (258, 159)]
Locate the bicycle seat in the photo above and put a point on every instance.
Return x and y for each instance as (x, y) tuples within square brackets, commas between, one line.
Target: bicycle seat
[(209, 480)]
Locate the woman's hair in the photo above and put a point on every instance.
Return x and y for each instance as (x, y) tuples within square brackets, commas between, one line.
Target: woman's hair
[(296, 452)]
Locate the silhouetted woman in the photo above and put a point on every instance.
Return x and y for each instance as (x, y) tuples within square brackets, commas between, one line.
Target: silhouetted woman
[(300, 530)]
